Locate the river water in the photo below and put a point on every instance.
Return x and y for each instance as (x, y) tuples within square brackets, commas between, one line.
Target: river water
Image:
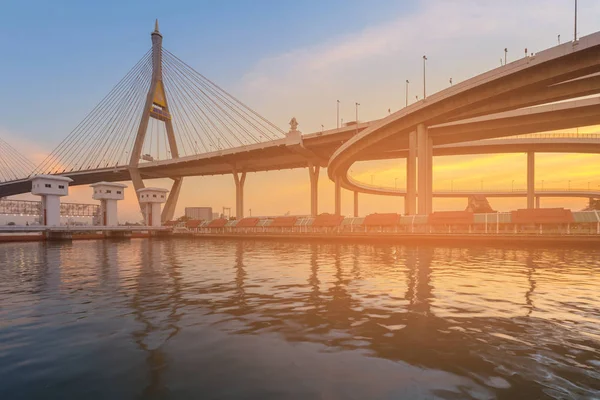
[(185, 318)]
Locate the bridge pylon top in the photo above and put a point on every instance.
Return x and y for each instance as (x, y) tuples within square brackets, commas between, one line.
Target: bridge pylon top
[(162, 109)]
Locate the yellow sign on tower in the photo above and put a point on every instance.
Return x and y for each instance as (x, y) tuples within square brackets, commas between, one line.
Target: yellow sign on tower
[(159, 95)]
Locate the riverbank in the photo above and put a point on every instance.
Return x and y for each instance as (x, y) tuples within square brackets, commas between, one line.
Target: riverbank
[(39, 237), (412, 238), (367, 238)]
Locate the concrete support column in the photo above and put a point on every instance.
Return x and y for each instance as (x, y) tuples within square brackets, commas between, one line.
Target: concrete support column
[(338, 197), (429, 175), (410, 203), (108, 212), (530, 179), (313, 173), (355, 204), (169, 210), (239, 193), (537, 201), (423, 168), (51, 206)]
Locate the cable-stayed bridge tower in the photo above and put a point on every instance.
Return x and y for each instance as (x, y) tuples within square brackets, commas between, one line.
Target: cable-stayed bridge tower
[(156, 107), (162, 114)]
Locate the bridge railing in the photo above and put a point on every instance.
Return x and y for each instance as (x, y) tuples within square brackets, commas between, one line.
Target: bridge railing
[(589, 190), (558, 135)]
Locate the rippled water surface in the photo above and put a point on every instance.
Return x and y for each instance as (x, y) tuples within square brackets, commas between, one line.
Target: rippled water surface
[(183, 318)]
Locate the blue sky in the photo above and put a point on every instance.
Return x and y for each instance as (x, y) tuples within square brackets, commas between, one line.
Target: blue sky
[(284, 59), (64, 56)]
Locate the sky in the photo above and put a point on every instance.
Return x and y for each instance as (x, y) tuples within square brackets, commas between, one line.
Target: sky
[(285, 59)]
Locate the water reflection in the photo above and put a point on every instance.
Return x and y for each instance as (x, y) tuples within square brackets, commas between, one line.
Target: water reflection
[(505, 323)]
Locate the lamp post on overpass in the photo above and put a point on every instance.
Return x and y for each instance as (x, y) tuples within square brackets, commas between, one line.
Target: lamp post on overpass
[(337, 119), (357, 104), (424, 92), (407, 82), (505, 53), (575, 32)]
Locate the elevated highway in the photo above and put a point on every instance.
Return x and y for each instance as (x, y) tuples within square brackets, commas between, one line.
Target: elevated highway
[(537, 93), (560, 73)]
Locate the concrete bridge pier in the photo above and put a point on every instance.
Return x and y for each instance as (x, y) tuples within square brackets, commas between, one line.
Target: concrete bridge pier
[(313, 173), (537, 201), (531, 180), (410, 203), (355, 204), (429, 175), (338, 197), (239, 178), (425, 177), (169, 210)]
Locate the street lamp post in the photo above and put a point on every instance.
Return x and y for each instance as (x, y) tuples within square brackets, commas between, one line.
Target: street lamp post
[(575, 32), (357, 104), (337, 119), (424, 92), (505, 52), (407, 82)]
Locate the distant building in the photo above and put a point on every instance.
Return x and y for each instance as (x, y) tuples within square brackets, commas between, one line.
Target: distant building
[(215, 216), (204, 213)]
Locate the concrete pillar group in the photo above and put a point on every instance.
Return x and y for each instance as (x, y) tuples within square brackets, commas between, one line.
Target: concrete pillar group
[(530, 179), (239, 178), (313, 173)]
